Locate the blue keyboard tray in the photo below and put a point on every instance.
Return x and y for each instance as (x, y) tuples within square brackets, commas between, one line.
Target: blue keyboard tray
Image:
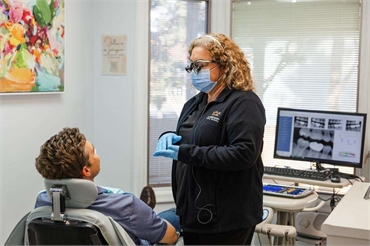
[(286, 190)]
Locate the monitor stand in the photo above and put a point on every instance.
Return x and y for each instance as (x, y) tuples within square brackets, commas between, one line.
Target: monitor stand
[(319, 167)]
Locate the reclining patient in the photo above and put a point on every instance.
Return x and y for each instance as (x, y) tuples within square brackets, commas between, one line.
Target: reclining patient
[(69, 155)]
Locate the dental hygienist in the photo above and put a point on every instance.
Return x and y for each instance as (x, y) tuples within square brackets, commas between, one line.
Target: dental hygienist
[(216, 149)]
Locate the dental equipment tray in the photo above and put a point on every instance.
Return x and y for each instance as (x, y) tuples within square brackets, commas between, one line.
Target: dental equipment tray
[(288, 191)]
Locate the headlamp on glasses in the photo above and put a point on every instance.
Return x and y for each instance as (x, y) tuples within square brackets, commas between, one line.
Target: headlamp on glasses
[(197, 65)]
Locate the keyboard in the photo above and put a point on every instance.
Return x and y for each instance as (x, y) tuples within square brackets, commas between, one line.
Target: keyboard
[(297, 173)]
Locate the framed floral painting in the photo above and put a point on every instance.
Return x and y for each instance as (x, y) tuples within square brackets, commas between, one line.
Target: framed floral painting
[(31, 46)]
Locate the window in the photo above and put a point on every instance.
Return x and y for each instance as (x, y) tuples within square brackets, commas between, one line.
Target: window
[(303, 54), (173, 25)]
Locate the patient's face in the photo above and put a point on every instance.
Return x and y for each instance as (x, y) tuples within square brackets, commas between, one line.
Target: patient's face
[(94, 160)]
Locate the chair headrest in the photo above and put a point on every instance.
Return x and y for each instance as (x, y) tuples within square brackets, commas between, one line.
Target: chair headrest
[(82, 192)]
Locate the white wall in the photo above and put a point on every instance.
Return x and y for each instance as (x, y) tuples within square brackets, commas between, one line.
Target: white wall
[(114, 96), (99, 105), (364, 78)]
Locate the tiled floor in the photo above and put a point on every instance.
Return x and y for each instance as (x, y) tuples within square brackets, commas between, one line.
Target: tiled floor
[(301, 242)]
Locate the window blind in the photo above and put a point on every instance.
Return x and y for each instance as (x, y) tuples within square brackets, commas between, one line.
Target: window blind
[(303, 54), (173, 25)]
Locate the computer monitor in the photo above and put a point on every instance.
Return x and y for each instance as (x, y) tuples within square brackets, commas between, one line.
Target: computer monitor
[(323, 137)]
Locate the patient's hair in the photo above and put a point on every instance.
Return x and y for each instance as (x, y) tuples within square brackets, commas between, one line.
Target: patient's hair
[(63, 155)]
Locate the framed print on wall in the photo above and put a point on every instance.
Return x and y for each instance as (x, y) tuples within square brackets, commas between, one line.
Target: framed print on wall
[(32, 46), (114, 55)]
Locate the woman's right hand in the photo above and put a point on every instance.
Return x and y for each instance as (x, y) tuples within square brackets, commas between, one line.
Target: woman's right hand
[(167, 140)]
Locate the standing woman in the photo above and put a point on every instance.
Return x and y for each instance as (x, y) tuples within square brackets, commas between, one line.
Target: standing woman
[(217, 168)]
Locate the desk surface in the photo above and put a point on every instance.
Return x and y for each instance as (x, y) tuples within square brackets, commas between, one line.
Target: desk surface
[(351, 218), (327, 183)]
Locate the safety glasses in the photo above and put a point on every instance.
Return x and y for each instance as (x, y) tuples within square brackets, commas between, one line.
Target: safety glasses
[(197, 65)]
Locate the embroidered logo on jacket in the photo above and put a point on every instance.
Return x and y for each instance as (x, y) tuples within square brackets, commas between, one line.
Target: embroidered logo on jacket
[(214, 116)]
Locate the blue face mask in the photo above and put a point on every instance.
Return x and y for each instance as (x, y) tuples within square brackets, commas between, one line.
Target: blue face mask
[(202, 81)]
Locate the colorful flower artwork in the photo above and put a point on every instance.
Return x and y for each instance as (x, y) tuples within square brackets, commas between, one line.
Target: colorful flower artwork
[(31, 46)]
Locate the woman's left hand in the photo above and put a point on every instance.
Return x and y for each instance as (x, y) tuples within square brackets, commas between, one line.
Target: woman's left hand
[(171, 152)]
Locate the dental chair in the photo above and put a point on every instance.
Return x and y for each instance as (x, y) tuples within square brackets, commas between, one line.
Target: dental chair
[(68, 221)]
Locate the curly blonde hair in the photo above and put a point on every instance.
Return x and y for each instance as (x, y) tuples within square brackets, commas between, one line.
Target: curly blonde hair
[(63, 155), (237, 72)]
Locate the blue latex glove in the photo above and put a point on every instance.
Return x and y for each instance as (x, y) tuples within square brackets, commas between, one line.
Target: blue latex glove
[(171, 152), (167, 140)]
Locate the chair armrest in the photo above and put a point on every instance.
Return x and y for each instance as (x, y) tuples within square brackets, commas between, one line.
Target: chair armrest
[(317, 207)]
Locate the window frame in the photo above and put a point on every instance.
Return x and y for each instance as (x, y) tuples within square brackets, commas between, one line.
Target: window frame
[(208, 27)]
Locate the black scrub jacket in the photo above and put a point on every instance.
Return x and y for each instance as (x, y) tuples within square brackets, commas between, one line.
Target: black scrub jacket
[(224, 167)]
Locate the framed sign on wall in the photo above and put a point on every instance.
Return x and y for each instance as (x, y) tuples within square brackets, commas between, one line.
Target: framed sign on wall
[(114, 55)]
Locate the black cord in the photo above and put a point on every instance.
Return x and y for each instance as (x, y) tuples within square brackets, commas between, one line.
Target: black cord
[(359, 179), (348, 176), (204, 208), (325, 200), (334, 200)]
